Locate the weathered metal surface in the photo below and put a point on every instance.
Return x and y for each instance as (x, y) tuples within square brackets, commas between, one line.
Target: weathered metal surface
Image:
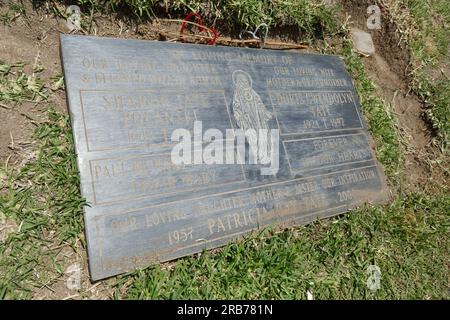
[(127, 96)]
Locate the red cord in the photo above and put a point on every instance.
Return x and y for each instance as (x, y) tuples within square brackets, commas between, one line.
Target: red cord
[(200, 28)]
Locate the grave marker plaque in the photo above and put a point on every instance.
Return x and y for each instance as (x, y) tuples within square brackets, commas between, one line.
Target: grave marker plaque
[(126, 98)]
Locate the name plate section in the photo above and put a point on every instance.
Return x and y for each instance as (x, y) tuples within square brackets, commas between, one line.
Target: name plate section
[(146, 117), (126, 179), (327, 152), (130, 99), (315, 111)]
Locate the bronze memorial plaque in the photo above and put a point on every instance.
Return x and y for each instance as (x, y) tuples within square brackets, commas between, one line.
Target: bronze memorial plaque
[(186, 147)]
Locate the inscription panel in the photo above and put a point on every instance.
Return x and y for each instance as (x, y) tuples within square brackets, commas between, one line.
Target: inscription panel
[(126, 99), (140, 118), (315, 111), (327, 152), (125, 179)]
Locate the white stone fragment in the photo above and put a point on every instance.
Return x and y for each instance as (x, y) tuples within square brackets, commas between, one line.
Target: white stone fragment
[(363, 42)]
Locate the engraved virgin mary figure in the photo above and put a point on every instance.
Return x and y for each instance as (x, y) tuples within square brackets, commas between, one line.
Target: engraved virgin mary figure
[(250, 112)]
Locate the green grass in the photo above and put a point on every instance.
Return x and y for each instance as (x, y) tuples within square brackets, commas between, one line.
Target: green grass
[(43, 200), (310, 17), (433, 20), (436, 95)]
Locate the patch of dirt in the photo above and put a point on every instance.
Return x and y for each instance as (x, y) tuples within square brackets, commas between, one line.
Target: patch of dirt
[(29, 40), (389, 70), (386, 39), (14, 130), (408, 111)]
